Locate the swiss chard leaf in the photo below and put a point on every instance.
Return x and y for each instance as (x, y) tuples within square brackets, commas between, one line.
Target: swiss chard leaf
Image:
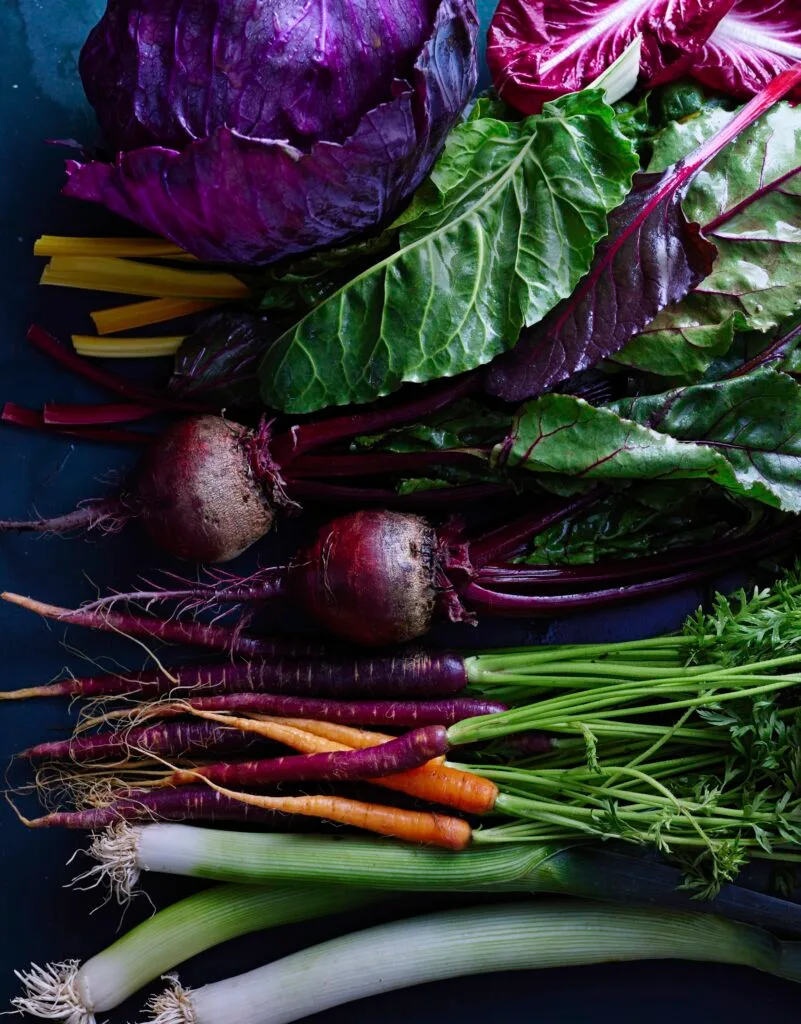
[(462, 425), (644, 519), (744, 434), (748, 200), (651, 258), (504, 227), (220, 358)]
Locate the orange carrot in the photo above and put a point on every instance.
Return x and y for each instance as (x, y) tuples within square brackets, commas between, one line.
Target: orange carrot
[(441, 784), (425, 827), (433, 781), (357, 739)]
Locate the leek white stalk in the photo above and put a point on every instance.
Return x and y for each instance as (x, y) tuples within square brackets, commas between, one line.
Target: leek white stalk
[(73, 993), (464, 942), (559, 868), (124, 851)]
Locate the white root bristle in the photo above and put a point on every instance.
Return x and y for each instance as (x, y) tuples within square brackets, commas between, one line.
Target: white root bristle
[(173, 1006), (51, 992), (115, 849)]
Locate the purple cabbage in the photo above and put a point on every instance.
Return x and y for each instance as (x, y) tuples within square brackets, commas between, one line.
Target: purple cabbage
[(248, 130)]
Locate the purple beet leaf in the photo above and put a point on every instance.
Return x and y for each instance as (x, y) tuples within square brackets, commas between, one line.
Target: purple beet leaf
[(651, 257)]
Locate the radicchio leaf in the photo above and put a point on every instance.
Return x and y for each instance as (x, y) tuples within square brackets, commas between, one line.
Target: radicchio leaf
[(756, 41), (651, 257), (540, 49)]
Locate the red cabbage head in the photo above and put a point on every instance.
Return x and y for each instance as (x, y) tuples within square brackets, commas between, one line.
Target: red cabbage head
[(248, 130)]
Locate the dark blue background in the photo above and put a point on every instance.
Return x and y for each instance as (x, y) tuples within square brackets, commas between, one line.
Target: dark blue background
[(40, 98)]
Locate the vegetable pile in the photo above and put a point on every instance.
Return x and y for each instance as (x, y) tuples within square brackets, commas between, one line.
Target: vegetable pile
[(601, 252)]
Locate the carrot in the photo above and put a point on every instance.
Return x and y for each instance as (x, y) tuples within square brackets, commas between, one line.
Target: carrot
[(191, 803), (400, 754), (433, 781), (355, 739), (425, 827), (177, 631), (166, 738)]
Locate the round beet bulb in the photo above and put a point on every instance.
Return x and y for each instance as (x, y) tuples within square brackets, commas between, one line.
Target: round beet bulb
[(197, 493), (370, 577)]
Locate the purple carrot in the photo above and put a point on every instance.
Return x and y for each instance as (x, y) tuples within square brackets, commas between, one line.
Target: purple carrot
[(387, 713), (171, 739), (399, 755), (34, 419), (189, 803), (409, 675), (178, 631), (66, 357)]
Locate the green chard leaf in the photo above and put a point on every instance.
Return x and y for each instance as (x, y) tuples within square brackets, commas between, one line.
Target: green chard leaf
[(502, 230), (463, 424), (744, 434), (748, 201), (643, 519)]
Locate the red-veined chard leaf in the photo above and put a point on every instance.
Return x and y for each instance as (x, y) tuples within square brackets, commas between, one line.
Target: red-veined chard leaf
[(540, 49), (752, 44), (744, 434), (502, 230), (748, 200), (652, 257)]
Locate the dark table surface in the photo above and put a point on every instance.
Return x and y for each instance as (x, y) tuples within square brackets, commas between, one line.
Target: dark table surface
[(41, 98)]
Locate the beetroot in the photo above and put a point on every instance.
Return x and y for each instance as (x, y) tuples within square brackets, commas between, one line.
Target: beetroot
[(207, 488), (378, 577), (370, 577), (197, 491)]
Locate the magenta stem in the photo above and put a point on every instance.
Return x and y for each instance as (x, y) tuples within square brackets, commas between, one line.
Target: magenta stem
[(715, 555), (434, 498), (511, 538), (381, 463), (305, 437), (34, 420), (70, 360), (62, 415), (491, 602), (773, 351)]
